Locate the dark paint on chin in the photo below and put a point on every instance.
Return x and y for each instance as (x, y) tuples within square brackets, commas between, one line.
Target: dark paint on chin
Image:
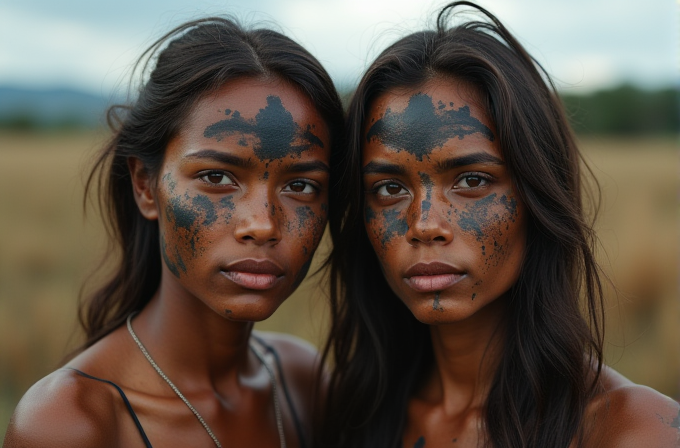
[(435, 304), (420, 128), (420, 443), (273, 126)]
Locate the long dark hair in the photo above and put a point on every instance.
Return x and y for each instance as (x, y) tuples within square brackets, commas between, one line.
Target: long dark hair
[(189, 62), (552, 352)]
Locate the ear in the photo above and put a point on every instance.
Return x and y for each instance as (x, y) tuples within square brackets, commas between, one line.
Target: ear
[(143, 189)]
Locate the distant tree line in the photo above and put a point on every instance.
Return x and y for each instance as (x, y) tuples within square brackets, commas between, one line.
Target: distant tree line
[(625, 110)]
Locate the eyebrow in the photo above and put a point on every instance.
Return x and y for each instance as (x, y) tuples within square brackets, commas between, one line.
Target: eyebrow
[(469, 159), (221, 157), (374, 167), (302, 167)]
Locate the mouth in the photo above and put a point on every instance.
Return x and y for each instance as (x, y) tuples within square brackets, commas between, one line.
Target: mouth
[(432, 277), (254, 274)]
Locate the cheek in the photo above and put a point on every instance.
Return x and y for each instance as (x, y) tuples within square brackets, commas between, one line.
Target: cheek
[(187, 227), (492, 224), (305, 226), (385, 228)]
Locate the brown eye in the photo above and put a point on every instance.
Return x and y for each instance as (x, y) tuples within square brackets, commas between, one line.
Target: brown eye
[(217, 178), (471, 181), (300, 186), (393, 188), (390, 189)]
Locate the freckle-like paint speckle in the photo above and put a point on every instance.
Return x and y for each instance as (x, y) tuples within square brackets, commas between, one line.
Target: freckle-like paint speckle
[(474, 294), (303, 214), (227, 311), (265, 176), (420, 128), (279, 135)]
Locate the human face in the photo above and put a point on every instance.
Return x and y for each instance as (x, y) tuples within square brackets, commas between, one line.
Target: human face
[(440, 208), (242, 197)]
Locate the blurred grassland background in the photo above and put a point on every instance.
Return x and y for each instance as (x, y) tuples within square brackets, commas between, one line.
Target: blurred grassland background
[(48, 248)]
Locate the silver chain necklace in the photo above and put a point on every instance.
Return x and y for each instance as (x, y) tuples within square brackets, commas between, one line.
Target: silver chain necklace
[(260, 356)]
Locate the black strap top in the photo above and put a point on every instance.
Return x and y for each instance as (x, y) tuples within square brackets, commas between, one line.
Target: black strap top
[(256, 344)]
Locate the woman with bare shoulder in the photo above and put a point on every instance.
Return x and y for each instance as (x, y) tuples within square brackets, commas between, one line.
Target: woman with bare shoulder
[(467, 301), (216, 185)]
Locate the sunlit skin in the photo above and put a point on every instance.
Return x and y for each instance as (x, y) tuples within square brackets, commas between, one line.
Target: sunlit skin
[(241, 204), (449, 230)]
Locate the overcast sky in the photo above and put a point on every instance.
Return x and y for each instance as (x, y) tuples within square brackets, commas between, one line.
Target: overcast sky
[(584, 44)]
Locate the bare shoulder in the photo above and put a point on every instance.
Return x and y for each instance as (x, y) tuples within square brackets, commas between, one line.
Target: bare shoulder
[(63, 410), (627, 415)]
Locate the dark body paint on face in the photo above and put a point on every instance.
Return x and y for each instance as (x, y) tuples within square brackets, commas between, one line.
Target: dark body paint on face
[(487, 219), (426, 204), (392, 224), (188, 216), (273, 126), (420, 128), (420, 443)]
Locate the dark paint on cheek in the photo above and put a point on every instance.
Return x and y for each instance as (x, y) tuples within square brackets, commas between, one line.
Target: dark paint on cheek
[(303, 272), (226, 203), (474, 294), (420, 128), (420, 443), (475, 217), (426, 204), (303, 214), (168, 262), (393, 226), (279, 135), (369, 214)]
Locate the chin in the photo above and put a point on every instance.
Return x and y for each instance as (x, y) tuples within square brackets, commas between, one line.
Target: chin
[(431, 312), (249, 308)]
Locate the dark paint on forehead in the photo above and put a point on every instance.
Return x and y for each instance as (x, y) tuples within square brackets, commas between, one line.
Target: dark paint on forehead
[(273, 126), (420, 128)]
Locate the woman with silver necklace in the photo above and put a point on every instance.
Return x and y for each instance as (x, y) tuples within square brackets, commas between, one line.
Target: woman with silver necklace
[(215, 184)]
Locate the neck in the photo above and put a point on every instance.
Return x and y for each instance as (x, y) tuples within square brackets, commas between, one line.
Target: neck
[(466, 355), (191, 342)]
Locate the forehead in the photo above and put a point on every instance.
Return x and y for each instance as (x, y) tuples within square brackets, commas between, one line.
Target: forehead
[(270, 110), (435, 118)]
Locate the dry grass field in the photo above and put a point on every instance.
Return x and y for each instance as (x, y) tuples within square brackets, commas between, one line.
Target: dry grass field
[(47, 249)]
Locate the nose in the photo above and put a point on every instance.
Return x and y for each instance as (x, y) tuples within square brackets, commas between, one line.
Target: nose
[(426, 222), (258, 222)]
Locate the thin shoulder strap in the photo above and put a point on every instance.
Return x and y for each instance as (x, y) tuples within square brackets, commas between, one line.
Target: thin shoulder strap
[(147, 443), (282, 380)]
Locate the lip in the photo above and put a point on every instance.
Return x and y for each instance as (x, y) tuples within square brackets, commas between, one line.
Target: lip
[(254, 274), (432, 277)]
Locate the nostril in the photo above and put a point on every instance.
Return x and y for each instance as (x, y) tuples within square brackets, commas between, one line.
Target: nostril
[(440, 238)]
